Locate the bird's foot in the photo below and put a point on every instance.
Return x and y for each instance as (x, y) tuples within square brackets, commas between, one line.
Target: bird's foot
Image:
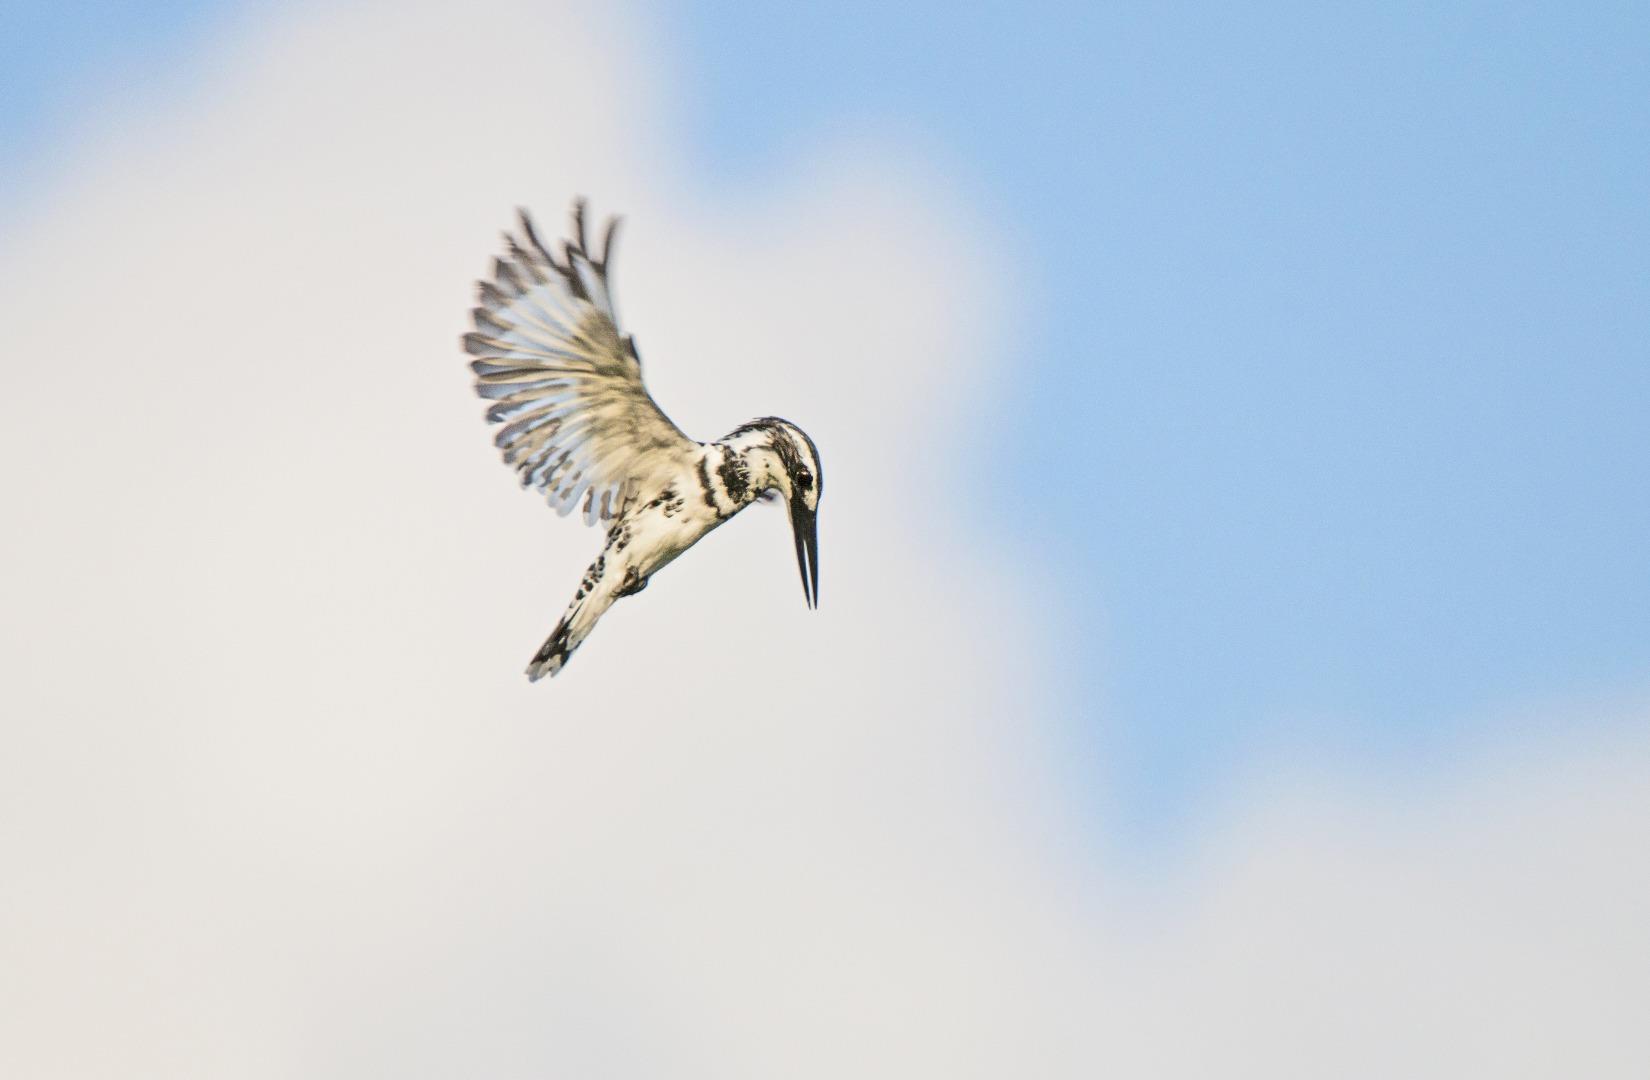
[(633, 583)]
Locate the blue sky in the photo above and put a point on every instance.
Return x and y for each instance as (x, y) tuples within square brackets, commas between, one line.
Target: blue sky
[(1335, 387), (1328, 409), (58, 58)]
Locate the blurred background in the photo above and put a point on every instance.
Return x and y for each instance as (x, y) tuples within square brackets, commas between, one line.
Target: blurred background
[(1233, 655)]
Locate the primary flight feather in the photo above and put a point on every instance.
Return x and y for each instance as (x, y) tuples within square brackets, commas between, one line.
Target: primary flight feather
[(580, 427)]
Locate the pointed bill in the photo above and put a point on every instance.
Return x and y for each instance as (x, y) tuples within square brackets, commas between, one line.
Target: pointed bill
[(804, 523)]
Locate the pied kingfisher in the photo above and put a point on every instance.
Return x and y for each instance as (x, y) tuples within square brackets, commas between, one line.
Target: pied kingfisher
[(579, 426)]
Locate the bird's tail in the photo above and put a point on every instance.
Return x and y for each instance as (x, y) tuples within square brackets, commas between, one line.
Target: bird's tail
[(573, 628), (594, 597), (552, 655)]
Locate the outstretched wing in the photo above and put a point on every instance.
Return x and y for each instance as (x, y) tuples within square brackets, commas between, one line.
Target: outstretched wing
[(564, 381)]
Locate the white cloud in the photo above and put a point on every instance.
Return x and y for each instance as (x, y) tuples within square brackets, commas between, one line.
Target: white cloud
[(277, 801)]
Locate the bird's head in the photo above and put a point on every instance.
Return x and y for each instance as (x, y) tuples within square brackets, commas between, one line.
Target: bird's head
[(785, 463)]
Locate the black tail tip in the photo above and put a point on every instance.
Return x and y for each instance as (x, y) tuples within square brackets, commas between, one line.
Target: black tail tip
[(551, 657), (545, 664)]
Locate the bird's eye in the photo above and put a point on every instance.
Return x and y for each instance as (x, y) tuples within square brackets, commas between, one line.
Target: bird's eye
[(804, 479)]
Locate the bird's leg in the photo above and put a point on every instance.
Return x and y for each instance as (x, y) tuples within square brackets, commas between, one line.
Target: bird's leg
[(632, 584)]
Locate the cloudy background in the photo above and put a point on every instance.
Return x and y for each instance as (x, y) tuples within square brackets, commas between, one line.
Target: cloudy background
[(1232, 657)]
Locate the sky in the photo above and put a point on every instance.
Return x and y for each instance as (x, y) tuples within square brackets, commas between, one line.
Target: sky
[(1231, 656), (1329, 376)]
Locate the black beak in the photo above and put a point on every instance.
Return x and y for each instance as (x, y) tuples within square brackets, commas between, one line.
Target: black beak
[(804, 524)]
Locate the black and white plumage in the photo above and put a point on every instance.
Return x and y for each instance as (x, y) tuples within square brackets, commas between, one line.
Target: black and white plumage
[(581, 428)]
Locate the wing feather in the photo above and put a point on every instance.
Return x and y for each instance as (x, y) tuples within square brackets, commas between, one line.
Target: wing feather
[(566, 383)]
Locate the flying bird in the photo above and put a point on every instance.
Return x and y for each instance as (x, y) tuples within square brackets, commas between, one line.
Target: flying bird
[(581, 428)]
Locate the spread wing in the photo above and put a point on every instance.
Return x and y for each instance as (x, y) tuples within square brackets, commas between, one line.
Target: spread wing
[(564, 381)]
